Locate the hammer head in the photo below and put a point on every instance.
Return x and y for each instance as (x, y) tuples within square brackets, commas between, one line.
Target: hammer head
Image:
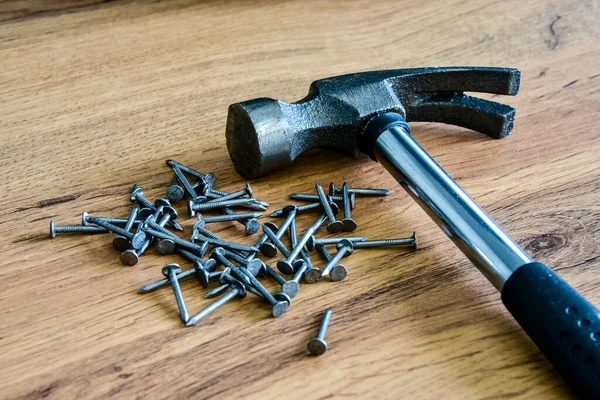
[(265, 135)]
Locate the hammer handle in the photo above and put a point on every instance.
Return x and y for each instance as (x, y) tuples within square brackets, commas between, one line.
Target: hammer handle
[(562, 323)]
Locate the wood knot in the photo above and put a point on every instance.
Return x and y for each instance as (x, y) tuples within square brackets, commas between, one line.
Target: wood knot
[(545, 244)]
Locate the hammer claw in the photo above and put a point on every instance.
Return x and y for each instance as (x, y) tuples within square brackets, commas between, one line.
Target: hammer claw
[(456, 79), (488, 117)]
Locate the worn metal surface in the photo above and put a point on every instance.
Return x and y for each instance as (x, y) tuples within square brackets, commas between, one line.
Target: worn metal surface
[(264, 135)]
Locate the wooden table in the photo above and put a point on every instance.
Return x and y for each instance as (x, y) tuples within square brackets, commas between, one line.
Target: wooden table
[(94, 96)]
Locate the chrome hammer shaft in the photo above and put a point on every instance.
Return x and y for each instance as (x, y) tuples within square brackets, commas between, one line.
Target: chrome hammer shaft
[(473, 231)]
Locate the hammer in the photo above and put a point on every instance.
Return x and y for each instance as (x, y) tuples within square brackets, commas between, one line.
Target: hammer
[(366, 114)]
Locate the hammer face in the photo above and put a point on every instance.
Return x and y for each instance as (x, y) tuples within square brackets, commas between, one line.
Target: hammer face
[(258, 136)]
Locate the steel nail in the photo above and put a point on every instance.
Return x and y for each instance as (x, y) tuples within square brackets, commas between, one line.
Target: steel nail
[(279, 306), (308, 207), (334, 225), (252, 225), (175, 192), (349, 225), (122, 243), (137, 195), (285, 266), (228, 217), (275, 240), (361, 192), (410, 241), (237, 290), (318, 345), (55, 229), (336, 272), (314, 241), (170, 271), (312, 197)]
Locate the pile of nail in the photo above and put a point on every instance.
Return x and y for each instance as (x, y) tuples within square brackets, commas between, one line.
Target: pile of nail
[(241, 269)]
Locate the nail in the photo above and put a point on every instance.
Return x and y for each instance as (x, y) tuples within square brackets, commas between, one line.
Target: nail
[(110, 220), (275, 240), (349, 225), (184, 181), (252, 225), (254, 266), (312, 197), (312, 274), (279, 306), (170, 271), (228, 217), (136, 239), (226, 244), (175, 192), (222, 256), (410, 241), (290, 287), (237, 290), (318, 345), (269, 249), (334, 225), (153, 230), (361, 192), (137, 195), (54, 229), (314, 241), (208, 179), (217, 291), (336, 272), (119, 242), (308, 207), (247, 191), (285, 266), (193, 207)]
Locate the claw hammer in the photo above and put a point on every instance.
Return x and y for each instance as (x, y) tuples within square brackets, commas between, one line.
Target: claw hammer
[(366, 114)]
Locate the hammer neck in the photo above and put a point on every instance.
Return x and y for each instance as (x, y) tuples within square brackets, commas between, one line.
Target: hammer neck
[(375, 127)]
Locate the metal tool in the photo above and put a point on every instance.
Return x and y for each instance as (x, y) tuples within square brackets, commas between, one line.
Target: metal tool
[(366, 114)]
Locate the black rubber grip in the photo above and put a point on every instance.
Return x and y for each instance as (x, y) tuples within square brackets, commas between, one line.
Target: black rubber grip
[(561, 322)]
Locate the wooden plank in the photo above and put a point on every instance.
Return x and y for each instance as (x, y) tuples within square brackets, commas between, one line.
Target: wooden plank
[(96, 95)]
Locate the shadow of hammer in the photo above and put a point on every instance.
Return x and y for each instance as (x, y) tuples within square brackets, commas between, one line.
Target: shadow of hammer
[(366, 114)]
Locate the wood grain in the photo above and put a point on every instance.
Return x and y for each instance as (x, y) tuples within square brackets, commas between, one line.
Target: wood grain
[(95, 95)]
